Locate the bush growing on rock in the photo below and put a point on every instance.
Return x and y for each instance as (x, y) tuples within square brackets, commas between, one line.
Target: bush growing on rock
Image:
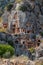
[(9, 6), (6, 50), (32, 50), (25, 7), (41, 33)]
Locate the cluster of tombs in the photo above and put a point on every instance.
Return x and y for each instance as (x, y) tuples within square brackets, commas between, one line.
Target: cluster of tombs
[(18, 23), (24, 25), (23, 43)]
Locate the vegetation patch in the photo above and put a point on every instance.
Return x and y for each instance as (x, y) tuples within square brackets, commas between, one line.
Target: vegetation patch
[(6, 51), (9, 6), (32, 50), (41, 33)]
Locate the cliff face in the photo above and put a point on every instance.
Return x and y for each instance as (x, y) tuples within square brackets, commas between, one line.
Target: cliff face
[(30, 12)]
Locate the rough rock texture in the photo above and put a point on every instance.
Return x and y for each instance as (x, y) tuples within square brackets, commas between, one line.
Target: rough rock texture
[(20, 61)]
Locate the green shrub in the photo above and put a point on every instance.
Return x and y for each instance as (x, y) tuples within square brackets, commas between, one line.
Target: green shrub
[(7, 55), (6, 50), (41, 33), (10, 42), (23, 8), (9, 6), (32, 50)]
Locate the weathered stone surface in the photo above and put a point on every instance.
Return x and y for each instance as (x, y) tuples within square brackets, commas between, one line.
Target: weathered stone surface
[(21, 60)]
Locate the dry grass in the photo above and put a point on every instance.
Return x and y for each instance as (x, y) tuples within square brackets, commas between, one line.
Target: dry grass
[(40, 62)]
